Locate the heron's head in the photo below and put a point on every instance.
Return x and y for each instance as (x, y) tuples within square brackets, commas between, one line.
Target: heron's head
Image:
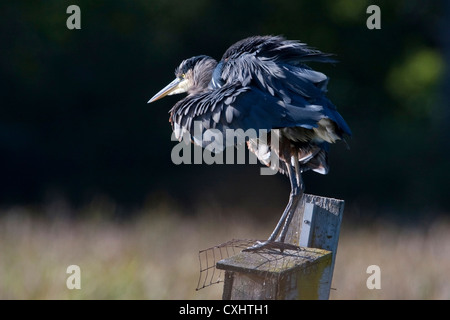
[(192, 76)]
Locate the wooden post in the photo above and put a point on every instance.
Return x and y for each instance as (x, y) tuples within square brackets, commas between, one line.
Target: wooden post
[(293, 274)]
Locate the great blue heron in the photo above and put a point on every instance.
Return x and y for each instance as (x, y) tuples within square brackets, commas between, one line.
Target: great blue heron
[(262, 82)]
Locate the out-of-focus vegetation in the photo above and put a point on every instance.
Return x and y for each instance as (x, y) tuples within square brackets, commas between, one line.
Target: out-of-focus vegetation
[(74, 120), (154, 256)]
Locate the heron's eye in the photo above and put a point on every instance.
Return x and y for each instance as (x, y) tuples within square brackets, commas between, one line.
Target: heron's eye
[(183, 75)]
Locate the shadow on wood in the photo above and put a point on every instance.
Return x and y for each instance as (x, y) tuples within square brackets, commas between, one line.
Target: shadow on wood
[(305, 273)]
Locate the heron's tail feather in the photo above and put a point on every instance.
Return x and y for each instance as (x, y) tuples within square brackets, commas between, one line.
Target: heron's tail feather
[(319, 163)]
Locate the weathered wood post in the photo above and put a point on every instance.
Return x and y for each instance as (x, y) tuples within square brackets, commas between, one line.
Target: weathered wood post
[(305, 273)]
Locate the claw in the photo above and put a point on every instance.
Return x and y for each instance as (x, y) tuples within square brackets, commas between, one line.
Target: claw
[(263, 245)]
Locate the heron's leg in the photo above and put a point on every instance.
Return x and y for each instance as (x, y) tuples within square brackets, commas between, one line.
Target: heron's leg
[(297, 187), (282, 223), (297, 194), (292, 198)]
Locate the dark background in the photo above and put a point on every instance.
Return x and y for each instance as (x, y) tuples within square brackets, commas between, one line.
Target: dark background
[(74, 123)]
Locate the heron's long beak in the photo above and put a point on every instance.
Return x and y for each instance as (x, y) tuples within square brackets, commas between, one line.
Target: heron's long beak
[(176, 86)]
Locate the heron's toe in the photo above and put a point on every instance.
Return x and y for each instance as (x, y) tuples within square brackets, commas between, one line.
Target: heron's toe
[(267, 245)]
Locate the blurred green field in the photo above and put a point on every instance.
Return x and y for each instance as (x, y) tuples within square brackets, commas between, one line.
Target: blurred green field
[(155, 255)]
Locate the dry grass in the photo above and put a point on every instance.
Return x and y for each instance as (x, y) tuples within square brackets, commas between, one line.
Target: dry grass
[(414, 261), (154, 256)]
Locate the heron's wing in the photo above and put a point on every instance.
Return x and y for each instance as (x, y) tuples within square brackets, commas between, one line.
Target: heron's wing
[(278, 48), (244, 109), (277, 68)]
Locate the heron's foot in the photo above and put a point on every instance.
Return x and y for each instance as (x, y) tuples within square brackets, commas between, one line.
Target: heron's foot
[(268, 245)]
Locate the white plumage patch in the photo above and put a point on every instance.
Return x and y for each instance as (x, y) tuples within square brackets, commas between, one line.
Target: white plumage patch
[(182, 87), (325, 131)]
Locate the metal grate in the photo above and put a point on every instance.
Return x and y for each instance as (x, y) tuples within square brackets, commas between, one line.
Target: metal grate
[(208, 258)]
